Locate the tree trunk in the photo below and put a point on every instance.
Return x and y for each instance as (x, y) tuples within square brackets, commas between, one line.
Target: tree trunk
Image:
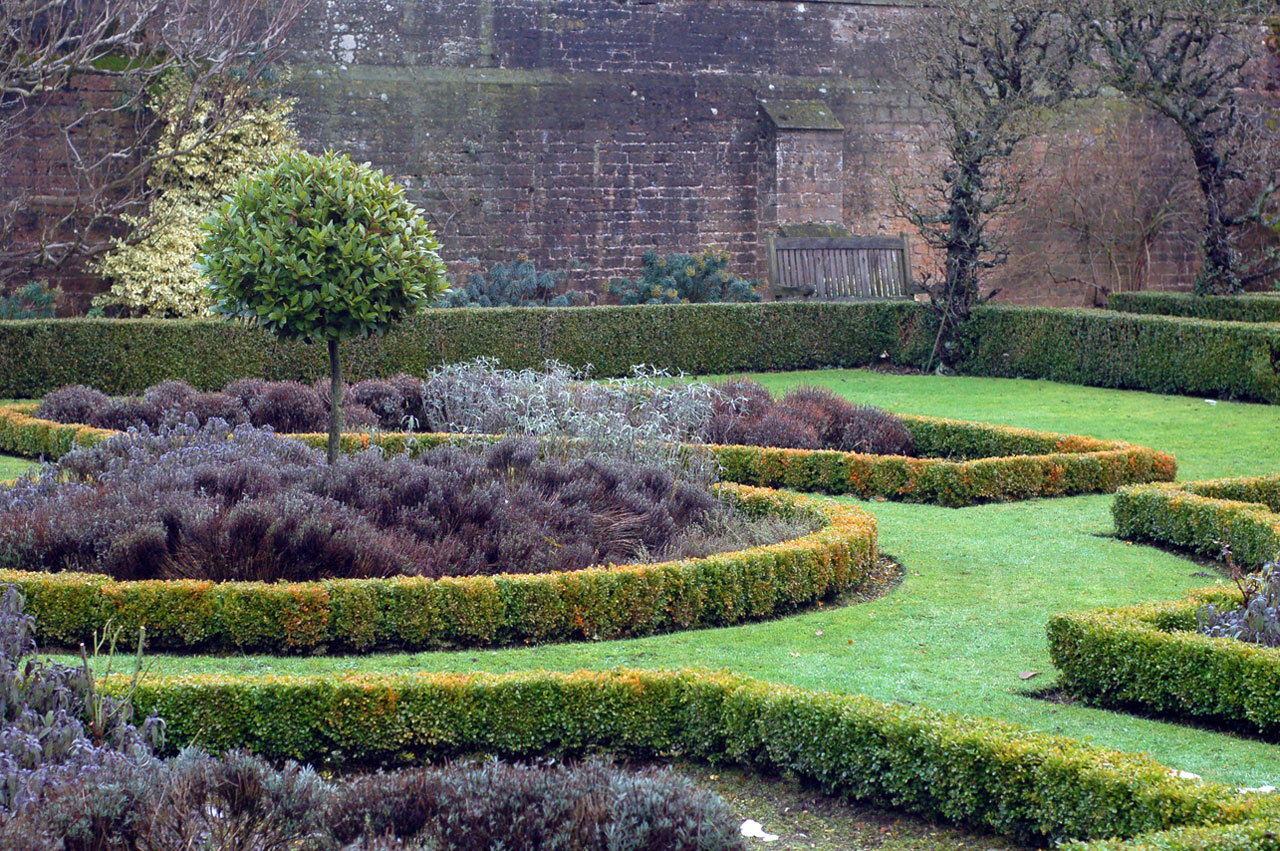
[(1219, 272), (335, 400)]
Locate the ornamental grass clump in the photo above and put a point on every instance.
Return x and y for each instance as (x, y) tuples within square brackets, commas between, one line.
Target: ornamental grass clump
[(320, 248)]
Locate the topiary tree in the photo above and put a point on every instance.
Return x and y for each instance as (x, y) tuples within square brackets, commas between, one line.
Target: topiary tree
[(320, 248)]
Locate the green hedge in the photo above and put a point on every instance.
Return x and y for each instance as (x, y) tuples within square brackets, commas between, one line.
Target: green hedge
[(1151, 657), (414, 613), (1161, 354), (988, 773), (128, 355), (1202, 516), (975, 462), (1252, 307)]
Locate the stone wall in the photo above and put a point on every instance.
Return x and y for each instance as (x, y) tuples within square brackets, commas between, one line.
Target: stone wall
[(595, 130)]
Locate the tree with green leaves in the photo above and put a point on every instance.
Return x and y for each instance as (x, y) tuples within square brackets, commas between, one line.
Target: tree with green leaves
[(320, 248)]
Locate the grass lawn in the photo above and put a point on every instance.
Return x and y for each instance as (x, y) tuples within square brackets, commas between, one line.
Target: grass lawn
[(969, 619), (11, 467)]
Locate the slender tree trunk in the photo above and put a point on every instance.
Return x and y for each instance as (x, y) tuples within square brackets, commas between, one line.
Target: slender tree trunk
[(335, 400), (1219, 272)]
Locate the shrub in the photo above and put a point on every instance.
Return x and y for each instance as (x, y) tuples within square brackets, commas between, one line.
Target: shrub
[(1100, 348), (78, 775), (872, 430), (781, 427), (59, 735), (152, 271), (1204, 517), (992, 774), (288, 407), (517, 284), (34, 300), (683, 279), (1255, 617), (349, 257), (806, 418), (1256, 307), (958, 463), (74, 404), (242, 505), (588, 806), (1152, 657), (418, 613), (384, 400)]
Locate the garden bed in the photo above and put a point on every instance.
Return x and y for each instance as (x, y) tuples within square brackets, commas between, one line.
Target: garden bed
[(413, 612), (1151, 657), (1242, 514), (985, 773), (958, 463)]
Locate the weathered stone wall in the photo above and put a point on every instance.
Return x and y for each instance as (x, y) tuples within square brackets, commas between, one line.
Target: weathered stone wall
[(595, 130)]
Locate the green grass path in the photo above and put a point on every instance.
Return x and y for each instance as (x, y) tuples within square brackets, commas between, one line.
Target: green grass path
[(981, 582)]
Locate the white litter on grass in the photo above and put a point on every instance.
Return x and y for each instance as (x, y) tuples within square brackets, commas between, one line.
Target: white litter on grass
[(752, 829), (1183, 775), (1211, 401), (1261, 790)]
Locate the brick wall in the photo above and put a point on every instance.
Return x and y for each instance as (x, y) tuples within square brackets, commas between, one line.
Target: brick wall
[(594, 130)]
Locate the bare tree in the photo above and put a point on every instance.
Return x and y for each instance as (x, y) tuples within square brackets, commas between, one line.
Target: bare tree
[(986, 70), (1199, 64), (1116, 195), (128, 50)]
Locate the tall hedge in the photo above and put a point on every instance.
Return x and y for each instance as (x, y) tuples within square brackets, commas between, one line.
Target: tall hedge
[(1252, 307), (128, 355), (1160, 354), (1102, 348)]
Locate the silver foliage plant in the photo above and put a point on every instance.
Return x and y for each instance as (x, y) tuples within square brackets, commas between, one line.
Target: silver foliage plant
[(648, 417), (1257, 619)]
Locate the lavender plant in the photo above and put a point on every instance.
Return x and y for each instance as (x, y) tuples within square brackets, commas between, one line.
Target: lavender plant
[(215, 502), (1257, 618), (68, 785)]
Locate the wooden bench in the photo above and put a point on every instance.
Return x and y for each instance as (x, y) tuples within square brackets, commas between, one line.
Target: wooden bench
[(852, 268)]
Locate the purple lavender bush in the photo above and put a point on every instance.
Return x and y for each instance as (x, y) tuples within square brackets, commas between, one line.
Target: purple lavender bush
[(76, 774), (222, 503)]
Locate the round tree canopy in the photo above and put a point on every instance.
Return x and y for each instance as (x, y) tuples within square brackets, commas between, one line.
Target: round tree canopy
[(320, 248)]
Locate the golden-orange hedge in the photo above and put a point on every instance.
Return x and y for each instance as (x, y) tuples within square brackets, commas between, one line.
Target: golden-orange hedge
[(415, 613), (960, 463)]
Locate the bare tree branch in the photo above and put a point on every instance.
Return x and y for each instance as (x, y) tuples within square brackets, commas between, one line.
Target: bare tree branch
[(1199, 63), (91, 74), (986, 70)]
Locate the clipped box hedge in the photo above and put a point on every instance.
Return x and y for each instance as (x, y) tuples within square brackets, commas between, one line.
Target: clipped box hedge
[(1160, 354), (1103, 348), (1203, 516), (982, 772), (1151, 657), (965, 462), (129, 355), (1250, 307), (416, 613)]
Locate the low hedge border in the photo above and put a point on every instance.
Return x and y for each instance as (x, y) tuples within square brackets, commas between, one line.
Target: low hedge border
[(987, 773), (1250, 307), (1242, 513), (1103, 348), (996, 463), (1150, 656), (415, 613)]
